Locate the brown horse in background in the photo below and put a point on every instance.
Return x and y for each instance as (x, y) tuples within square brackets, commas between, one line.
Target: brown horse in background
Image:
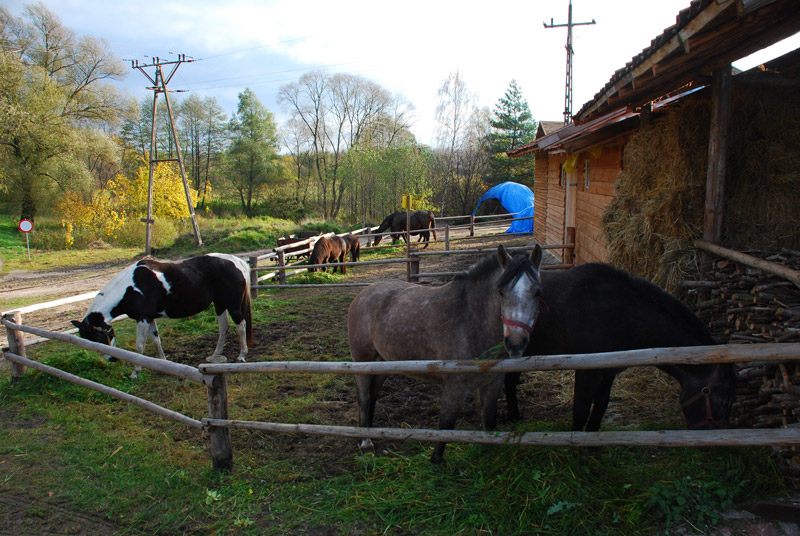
[(328, 250), (353, 246), (396, 223)]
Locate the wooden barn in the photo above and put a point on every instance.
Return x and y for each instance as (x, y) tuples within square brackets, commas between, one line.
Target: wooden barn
[(578, 166), (677, 158)]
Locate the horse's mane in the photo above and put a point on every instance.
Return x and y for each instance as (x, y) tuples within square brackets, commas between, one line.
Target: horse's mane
[(479, 269)]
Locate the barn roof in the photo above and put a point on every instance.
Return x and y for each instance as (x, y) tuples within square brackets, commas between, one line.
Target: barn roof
[(707, 35)]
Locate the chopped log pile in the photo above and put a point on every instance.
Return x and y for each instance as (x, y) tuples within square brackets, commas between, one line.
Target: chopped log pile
[(746, 305)]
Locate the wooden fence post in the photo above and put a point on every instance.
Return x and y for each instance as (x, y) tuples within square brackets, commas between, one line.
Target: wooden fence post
[(220, 437), (472, 225), (253, 277), (569, 252), (413, 266), (15, 345), (447, 237), (282, 262)]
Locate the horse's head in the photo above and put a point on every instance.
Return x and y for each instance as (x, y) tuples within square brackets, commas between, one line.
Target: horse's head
[(95, 328), (377, 240), (520, 288), (707, 393)]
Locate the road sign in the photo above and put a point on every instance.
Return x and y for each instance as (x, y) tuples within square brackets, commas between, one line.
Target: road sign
[(26, 226)]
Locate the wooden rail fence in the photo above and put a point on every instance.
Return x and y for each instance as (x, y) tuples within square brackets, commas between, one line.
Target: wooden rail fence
[(218, 424)]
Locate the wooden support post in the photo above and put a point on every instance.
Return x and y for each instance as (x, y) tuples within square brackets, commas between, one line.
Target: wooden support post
[(472, 225), (220, 438), (413, 266), (447, 237), (717, 156), (253, 262), (569, 251), (282, 263), (15, 345)]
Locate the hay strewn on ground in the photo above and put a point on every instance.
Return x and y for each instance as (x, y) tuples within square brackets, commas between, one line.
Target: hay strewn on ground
[(659, 196)]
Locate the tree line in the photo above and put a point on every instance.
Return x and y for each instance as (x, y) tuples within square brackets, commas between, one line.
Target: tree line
[(346, 153)]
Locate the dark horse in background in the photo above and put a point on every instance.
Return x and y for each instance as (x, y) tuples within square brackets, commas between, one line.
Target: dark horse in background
[(328, 250), (495, 302), (596, 308), (153, 289), (421, 221)]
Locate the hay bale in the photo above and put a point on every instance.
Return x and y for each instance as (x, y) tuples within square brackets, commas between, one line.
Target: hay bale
[(658, 205)]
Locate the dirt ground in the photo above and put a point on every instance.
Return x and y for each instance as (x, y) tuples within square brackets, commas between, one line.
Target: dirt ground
[(639, 395)]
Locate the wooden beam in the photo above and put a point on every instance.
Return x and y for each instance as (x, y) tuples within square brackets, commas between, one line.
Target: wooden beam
[(691, 355), (717, 155), (667, 438), (753, 262)]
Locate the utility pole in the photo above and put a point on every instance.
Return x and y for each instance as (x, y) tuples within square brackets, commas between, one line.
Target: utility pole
[(160, 82), (570, 52)]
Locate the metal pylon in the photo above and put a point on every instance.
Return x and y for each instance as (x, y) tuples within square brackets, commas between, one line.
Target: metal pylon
[(160, 82), (570, 52)]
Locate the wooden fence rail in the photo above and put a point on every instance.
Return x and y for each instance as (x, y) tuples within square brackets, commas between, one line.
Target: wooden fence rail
[(218, 423)]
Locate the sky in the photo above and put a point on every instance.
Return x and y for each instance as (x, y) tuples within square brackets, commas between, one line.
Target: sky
[(409, 48)]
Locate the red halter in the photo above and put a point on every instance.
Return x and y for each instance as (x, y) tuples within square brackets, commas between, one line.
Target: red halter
[(513, 324), (704, 392)]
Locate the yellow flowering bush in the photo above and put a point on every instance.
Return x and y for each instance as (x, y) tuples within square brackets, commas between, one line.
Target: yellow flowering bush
[(123, 200)]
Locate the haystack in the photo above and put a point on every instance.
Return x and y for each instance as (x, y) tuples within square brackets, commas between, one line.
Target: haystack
[(658, 204)]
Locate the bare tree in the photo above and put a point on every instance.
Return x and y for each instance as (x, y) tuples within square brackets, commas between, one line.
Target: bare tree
[(454, 113), (337, 112)]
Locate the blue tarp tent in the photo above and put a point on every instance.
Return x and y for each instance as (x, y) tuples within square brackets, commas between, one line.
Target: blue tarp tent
[(515, 198)]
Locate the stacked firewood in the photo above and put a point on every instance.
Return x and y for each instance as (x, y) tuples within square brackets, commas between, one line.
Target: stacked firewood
[(746, 305), (742, 304)]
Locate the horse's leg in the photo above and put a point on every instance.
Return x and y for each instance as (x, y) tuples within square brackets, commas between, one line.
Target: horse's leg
[(367, 388), (142, 330), (217, 356), (156, 339), (590, 399), (489, 394), (512, 405), (241, 329), (454, 394), (601, 398)]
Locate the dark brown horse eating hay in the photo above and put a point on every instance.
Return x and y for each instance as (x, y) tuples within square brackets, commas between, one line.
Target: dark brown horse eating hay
[(598, 308), (328, 250), (153, 289), (421, 221), (495, 301)]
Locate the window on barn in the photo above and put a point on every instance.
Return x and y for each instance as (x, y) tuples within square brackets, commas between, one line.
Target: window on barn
[(586, 175)]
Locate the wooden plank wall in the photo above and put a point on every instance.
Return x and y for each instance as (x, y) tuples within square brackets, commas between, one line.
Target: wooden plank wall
[(550, 197), (540, 188), (603, 171)]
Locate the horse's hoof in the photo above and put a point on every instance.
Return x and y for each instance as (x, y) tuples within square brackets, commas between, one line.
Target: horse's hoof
[(367, 446), (240, 359), (217, 358), (134, 375)]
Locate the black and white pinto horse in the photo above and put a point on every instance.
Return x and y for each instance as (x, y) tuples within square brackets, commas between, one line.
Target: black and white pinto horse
[(153, 289)]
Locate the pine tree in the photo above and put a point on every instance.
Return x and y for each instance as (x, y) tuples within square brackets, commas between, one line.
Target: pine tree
[(512, 126)]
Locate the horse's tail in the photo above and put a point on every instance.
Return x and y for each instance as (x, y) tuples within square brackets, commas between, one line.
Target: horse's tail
[(433, 225), (356, 253)]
